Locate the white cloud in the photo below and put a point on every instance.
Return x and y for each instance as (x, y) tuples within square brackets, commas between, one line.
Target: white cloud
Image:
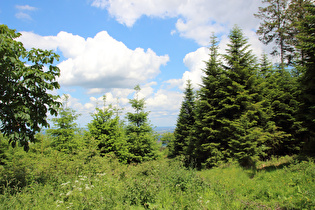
[(98, 62), (195, 62), (95, 91), (23, 16), (23, 13), (127, 12), (196, 19), (25, 7)]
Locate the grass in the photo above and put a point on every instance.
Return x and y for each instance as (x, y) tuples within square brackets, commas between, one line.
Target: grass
[(56, 181)]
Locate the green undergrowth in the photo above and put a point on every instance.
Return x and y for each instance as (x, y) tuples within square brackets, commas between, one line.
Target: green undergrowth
[(284, 183), (58, 181)]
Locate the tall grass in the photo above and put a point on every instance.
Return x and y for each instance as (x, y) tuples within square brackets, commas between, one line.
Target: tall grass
[(52, 180)]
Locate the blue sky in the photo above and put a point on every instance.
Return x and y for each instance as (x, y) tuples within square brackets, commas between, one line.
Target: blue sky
[(109, 46)]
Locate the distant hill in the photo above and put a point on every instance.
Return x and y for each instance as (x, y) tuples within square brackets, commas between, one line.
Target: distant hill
[(161, 130)]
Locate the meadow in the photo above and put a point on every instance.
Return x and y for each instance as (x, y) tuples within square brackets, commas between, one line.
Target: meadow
[(48, 179)]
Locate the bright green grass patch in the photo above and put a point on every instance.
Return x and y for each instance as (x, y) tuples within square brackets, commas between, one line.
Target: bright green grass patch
[(283, 187), (57, 181)]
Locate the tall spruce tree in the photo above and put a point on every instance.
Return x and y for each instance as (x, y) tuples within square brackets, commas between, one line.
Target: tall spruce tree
[(185, 122), (281, 91), (306, 42), (142, 141), (242, 113), (207, 145)]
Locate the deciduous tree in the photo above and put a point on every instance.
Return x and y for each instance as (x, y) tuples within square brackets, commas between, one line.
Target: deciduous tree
[(25, 83)]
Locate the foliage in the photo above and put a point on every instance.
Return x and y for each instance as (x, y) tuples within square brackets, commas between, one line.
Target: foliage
[(108, 132), (24, 100), (184, 125), (65, 129), (307, 45), (206, 142), (54, 179), (275, 27), (142, 141), (230, 109), (281, 92)]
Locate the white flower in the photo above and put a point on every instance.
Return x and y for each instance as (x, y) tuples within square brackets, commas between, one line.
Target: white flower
[(69, 193), (87, 187), (64, 184)]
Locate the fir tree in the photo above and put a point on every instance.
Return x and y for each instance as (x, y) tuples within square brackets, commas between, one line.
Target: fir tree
[(142, 141), (306, 42), (107, 130), (207, 144), (281, 92), (65, 129), (242, 114), (185, 122)]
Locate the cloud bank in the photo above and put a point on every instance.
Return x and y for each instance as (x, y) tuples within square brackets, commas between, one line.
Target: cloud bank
[(98, 62), (195, 19)]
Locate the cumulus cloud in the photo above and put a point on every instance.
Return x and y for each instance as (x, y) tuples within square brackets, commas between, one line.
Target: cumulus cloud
[(195, 62), (196, 19), (98, 62)]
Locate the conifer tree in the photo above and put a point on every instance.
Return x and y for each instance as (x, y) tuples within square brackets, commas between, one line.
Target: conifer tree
[(306, 42), (65, 129), (185, 122), (242, 114), (108, 132), (207, 145), (142, 141), (275, 27), (281, 92)]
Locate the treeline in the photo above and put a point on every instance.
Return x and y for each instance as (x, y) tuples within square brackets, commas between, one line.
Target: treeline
[(248, 109), (107, 133)]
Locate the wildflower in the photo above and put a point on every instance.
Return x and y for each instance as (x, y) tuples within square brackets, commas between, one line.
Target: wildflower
[(64, 184), (58, 201), (87, 187), (76, 181), (69, 193)]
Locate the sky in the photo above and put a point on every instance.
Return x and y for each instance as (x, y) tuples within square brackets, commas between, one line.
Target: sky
[(107, 47)]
